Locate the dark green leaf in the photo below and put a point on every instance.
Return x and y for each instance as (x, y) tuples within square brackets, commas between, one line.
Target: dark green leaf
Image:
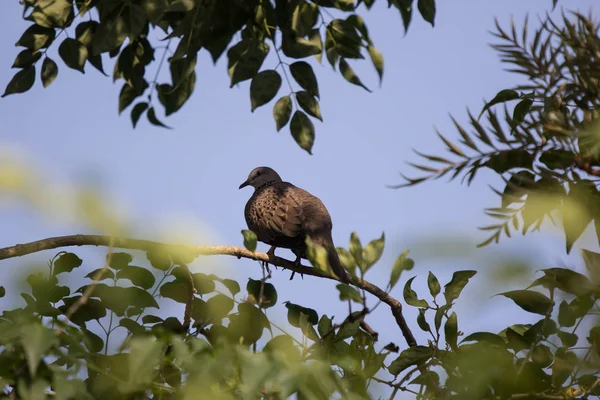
[(459, 280), (349, 74), (248, 324), (137, 275), (26, 58), (303, 73), (120, 260), (93, 342), (245, 60), (427, 10), (282, 111), (137, 112), (309, 104), (109, 35), (297, 47), (203, 283), (176, 290), (487, 337), (405, 7), (377, 60), (132, 326), (347, 330), (21, 82), (411, 356), (92, 309), (294, 312), (577, 210), (249, 239), (451, 331), (66, 263), (325, 325), (303, 131), (557, 159), (542, 355), (230, 284), (73, 53), (269, 294), (568, 281), (264, 87), (118, 299), (422, 322), (502, 97), (36, 37), (410, 296), (151, 115), (566, 314), (159, 259), (529, 300), (372, 252), (218, 307), (507, 160), (348, 293), (106, 274), (567, 339), (356, 249), (151, 319), (36, 340), (2, 291), (521, 110), (402, 263), (434, 284), (49, 71), (346, 40)]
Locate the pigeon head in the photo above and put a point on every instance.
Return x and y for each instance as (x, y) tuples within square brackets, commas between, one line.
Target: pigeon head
[(261, 176)]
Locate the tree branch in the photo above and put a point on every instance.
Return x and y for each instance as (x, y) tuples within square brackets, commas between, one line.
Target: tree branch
[(148, 245)]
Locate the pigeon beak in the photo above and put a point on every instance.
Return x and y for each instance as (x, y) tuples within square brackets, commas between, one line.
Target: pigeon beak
[(243, 185)]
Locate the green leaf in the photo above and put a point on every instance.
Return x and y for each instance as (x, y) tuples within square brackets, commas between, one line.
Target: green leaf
[(151, 319), (427, 10), (106, 274), (502, 97), (264, 87), (567, 339), (283, 345), (66, 263), (521, 110), (422, 322), (137, 112), (73, 53), (2, 291), (303, 73), (566, 314), (568, 281), (303, 131), (451, 331), (137, 275), (53, 14), (128, 94), (529, 300), (592, 264), (309, 104), (297, 47), (349, 74), (109, 35), (245, 60), (410, 296), (346, 40), (349, 293), (21, 82), (294, 312), (92, 309), (218, 307), (402, 263), (282, 111), (434, 285), (248, 324), (557, 158), (356, 249), (26, 58), (487, 337), (411, 356), (269, 294), (93, 342), (325, 325), (120, 260), (377, 60), (159, 259), (230, 284), (203, 283), (151, 115), (175, 290), (49, 71), (249, 239), (459, 280), (372, 252), (542, 355), (36, 37), (144, 356), (36, 340), (118, 299), (577, 210), (405, 7), (347, 330), (132, 326)]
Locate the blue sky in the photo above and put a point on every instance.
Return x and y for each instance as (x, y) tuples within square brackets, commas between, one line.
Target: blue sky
[(184, 181)]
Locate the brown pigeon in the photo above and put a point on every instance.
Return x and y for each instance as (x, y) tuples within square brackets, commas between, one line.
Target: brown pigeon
[(282, 215)]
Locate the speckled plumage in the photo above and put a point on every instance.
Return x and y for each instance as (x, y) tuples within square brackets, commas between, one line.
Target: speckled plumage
[(282, 215)]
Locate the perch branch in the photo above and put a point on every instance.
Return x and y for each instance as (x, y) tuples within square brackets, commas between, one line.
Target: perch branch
[(148, 245)]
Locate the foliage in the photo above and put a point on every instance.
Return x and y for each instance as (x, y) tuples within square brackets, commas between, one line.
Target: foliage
[(547, 149), (247, 31)]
